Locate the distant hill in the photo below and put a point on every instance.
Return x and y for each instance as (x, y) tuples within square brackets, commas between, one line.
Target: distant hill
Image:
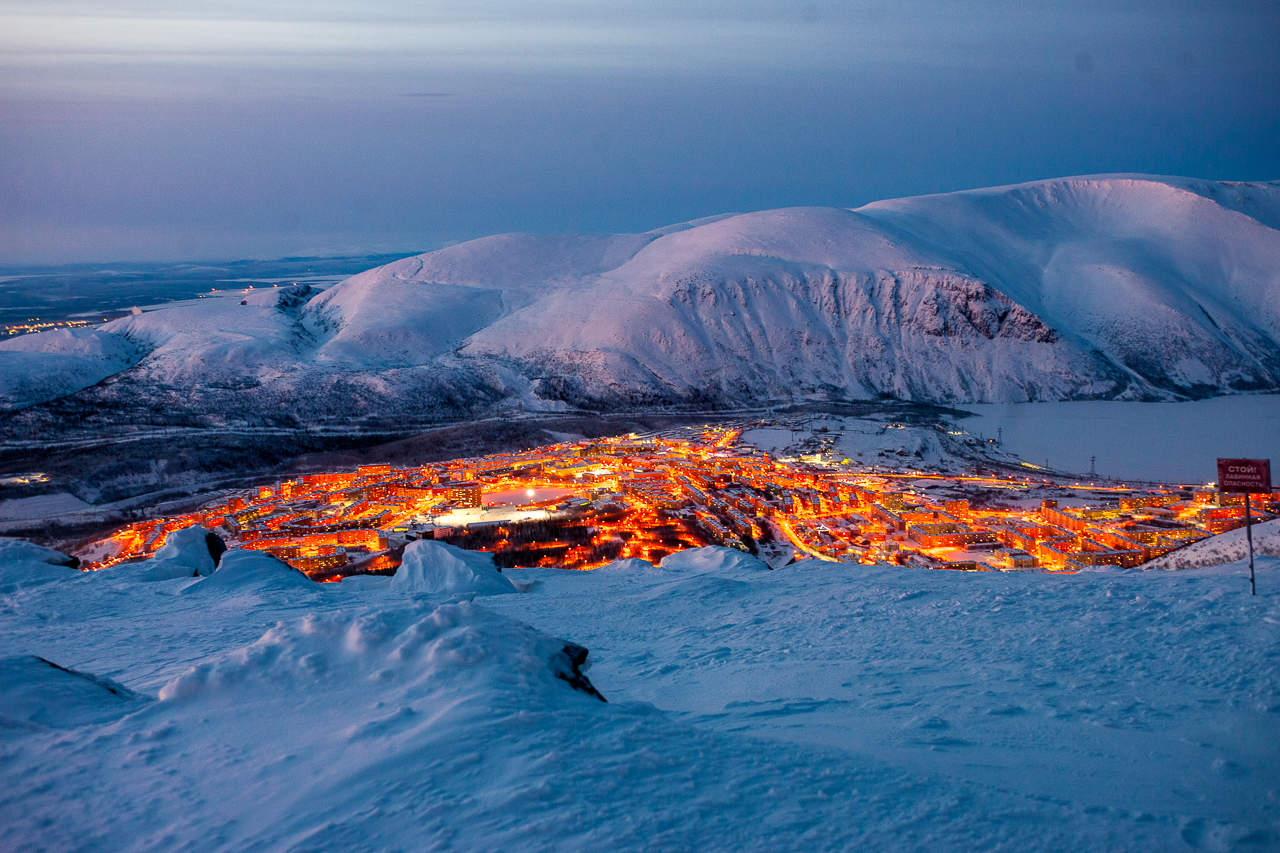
[(1107, 287)]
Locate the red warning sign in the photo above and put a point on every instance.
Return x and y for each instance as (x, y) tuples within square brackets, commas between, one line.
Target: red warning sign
[(1244, 475)]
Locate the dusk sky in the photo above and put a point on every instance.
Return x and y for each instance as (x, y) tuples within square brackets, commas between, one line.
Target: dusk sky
[(131, 131)]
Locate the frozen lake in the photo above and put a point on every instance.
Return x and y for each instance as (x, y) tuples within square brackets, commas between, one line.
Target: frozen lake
[(1151, 441)]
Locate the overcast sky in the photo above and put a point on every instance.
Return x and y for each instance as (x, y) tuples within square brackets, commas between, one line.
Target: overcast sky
[(131, 131)]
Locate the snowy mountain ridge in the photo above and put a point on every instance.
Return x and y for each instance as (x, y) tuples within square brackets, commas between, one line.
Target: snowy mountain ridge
[(1105, 287)]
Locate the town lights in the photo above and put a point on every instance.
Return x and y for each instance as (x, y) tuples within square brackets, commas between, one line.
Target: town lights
[(646, 496)]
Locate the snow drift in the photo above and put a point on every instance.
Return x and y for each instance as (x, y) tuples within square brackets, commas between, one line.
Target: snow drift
[(24, 564), (712, 560), (244, 570), (1224, 548), (38, 692), (186, 553), (437, 568), (455, 648)]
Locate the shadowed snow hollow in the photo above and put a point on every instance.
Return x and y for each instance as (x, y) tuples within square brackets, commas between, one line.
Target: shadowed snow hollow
[(38, 692), (436, 568)]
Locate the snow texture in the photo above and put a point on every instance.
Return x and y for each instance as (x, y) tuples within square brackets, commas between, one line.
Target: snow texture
[(23, 564), (252, 571), (185, 554), (48, 365), (818, 706), (437, 568), (1225, 548), (1096, 287)]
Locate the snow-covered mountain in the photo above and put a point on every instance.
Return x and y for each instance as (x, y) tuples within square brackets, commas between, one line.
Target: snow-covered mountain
[(1126, 287)]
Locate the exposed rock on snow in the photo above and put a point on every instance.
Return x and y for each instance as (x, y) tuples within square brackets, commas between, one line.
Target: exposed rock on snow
[(1114, 286), (437, 568), (190, 552), (568, 667)]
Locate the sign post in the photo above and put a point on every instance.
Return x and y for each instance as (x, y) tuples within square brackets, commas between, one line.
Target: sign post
[(1248, 476)]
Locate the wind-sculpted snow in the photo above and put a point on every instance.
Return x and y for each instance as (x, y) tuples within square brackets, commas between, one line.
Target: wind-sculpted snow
[(819, 706), (1227, 547), (215, 341), (438, 568), (24, 564), (242, 571), (186, 554), (1120, 287), (452, 648), (712, 560), (35, 692)]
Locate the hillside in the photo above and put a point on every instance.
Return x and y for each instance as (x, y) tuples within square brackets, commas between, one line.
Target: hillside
[(1107, 287), (822, 706)]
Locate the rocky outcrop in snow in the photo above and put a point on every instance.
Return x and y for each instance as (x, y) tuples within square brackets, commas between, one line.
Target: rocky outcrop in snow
[(1122, 287)]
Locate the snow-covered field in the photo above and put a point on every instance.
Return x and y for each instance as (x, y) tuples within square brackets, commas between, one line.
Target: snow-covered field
[(1170, 442), (41, 506), (820, 706)]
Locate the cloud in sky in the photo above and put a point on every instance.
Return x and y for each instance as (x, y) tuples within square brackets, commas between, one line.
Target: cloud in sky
[(137, 129)]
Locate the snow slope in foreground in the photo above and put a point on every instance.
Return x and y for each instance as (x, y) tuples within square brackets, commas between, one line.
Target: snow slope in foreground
[(819, 706), (1228, 547)]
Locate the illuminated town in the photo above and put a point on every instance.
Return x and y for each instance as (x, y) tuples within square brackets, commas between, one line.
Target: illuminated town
[(32, 325), (584, 504), (35, 324)]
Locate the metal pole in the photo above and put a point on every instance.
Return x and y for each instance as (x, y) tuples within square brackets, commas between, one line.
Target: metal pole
[(1248, 534)]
